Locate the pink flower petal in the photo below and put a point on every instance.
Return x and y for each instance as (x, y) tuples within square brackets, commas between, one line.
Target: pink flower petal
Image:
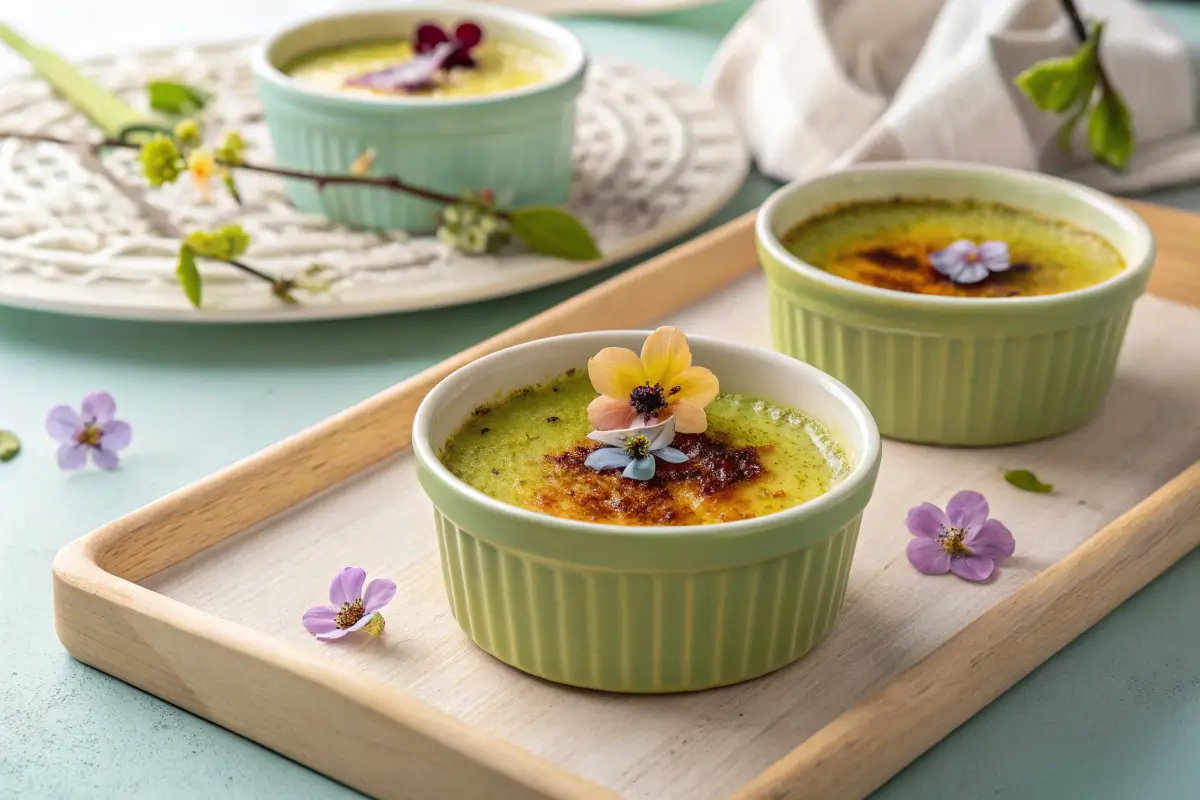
[(926, 520), (379, 593), (992, 539), (973, 568), (105, 458), (72, 456), (994, 256), (928, 556), (967, 510), (320, 619), (429, 35), (468, 35), (608, 413), (337, 633), (970, 273), (358, 626), (99, 407), (62, 423), (116, 435), (347, 586)]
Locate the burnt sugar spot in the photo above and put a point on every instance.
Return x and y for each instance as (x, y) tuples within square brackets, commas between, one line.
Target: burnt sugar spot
[(891, 259), (905, 266), (714, 469)]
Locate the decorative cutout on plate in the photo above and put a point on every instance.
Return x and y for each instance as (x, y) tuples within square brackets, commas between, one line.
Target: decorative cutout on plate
[(654, 158)]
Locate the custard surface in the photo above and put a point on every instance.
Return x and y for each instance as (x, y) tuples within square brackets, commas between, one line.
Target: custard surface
[(501, 66), (887, 244), (755, 459)]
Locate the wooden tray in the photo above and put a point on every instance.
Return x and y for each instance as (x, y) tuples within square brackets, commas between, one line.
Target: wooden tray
[(197, 597)]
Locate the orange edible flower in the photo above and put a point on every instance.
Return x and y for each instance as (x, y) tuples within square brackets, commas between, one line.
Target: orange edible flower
[(642, 390)]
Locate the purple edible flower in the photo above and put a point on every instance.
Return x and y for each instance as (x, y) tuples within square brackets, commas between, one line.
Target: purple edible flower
[(351, 608), (467, 36), (93, 429), (408, 76), (963, 262), (435, 50), (962, 540)]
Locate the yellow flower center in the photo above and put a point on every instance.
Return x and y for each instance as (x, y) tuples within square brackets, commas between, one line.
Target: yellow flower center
[(202, 165), (637, 446), (952, 541), (349, 614), (90, 436)]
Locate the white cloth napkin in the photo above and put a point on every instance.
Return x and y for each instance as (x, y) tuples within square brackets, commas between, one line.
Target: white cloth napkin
[(819, 85)]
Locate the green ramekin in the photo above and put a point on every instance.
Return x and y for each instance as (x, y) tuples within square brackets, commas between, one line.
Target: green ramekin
[(954, 370), (516, 143), (654, 608)]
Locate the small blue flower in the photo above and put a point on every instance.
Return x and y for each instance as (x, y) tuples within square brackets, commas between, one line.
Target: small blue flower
[(635, 449), (963, 262)]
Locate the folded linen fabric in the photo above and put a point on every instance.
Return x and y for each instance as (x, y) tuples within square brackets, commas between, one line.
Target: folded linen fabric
[(819, 85)]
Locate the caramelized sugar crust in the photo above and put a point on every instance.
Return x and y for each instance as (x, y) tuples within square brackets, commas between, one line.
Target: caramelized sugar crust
[(709, 487)]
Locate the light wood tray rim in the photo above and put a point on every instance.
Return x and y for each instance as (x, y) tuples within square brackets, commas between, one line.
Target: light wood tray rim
[(97, 599)]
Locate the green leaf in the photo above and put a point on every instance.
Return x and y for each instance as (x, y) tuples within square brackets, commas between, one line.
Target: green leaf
[(553, 232), (1067, 130), (1087, 87), (231, 185), (1054, 84), (179, 99), (1024, 479), (10, 446), (223, 244), (189, 276), (1110, 133)]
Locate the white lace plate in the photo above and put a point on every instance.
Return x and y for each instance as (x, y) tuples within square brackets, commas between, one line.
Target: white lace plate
[(654, 158)]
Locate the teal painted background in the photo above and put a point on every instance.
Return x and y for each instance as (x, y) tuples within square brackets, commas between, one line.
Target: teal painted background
[(1115, 716)]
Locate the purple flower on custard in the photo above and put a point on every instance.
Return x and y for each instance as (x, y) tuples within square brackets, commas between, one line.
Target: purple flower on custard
[(635, 449), (435, 51), (467, 36), (963, 262), (351, 608), (93, 429), (961, 540)]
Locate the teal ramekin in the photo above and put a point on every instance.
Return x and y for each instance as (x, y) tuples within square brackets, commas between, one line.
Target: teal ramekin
[(654, 608), (517, 143), (955, 370)]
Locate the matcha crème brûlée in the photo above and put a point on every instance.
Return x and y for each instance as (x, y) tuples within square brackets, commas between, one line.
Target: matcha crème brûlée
[(952, 248), (434, 62), (660, 445)]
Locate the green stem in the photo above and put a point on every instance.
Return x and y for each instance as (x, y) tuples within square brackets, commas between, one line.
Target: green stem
[(109, 112)]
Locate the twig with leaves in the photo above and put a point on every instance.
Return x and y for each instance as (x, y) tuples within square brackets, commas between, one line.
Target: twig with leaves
[(470, 222), (1077, 85)]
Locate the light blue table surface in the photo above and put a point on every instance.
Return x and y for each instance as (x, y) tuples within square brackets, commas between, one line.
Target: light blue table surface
[(1115, 715)]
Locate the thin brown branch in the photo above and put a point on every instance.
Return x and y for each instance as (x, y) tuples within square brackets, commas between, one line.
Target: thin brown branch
[(326, 179), (322, 180), (1080, 28), (1076, 19), (249, 270)]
